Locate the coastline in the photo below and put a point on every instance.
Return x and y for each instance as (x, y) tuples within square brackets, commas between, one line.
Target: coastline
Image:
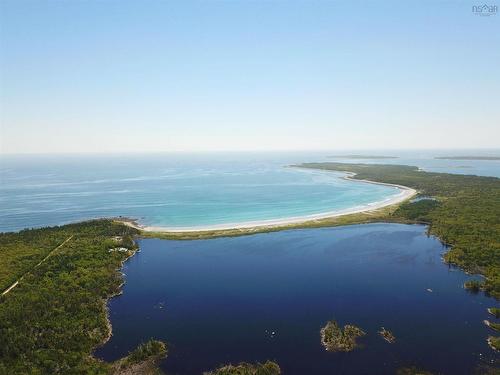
[(405, 194), (118, 292)]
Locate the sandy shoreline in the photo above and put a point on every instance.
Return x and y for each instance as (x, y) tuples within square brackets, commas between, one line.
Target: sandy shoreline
[(404, 194)]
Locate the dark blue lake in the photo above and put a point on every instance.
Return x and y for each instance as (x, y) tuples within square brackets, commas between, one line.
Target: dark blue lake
[(218, 301)]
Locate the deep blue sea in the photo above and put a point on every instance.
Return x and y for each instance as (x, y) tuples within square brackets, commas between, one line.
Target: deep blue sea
[(191, 190), (219, 301)]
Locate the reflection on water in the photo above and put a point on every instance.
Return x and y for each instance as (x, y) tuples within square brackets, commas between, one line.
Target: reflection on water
[(266, 296)]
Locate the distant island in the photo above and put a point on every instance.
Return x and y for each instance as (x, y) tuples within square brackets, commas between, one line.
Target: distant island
[(363, 157), (467, 157)]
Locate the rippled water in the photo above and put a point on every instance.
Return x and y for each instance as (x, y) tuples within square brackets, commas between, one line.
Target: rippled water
[(171, 190), (179, 190)]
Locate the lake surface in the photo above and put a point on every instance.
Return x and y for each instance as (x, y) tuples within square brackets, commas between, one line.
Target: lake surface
[(218, 301), (179, 190)]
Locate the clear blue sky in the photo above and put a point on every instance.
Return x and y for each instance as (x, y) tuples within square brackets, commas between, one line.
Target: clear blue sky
[(104, 76)]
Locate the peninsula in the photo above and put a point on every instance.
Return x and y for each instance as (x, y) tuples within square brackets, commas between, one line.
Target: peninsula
[(468, 157), (362, 157)]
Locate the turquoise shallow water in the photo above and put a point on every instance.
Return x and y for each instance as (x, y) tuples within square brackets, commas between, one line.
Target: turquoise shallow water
[(188, 190), (171, 190)]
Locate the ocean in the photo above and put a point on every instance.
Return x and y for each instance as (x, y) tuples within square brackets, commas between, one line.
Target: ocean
[(191, 190)]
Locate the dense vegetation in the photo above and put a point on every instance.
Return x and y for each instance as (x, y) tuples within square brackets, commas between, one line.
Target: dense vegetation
[(267, 368), (336, 339), (143, 360), (418, 210), (144, 351), (20, 252), (466, 214), (54, 318)]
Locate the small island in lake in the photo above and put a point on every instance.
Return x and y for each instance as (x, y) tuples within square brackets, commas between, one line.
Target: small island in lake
[(387, 335), (467, 157), (334, 339), (495, 326)]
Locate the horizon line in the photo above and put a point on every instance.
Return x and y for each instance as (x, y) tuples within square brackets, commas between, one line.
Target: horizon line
[(245, 151)]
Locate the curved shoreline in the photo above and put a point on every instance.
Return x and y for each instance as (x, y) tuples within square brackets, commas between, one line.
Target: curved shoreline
[(404, 194)]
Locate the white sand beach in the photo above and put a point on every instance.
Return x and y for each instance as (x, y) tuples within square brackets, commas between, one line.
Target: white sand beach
[(404, 194)]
